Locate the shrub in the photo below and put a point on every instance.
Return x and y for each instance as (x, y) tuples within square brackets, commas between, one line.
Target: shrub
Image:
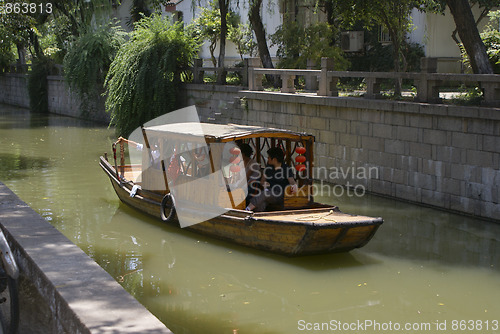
[(143, 80), (87, 62)]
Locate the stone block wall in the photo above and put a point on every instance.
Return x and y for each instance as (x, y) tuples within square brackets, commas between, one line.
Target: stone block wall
[(14, 91), (439, 155), (65, 102)]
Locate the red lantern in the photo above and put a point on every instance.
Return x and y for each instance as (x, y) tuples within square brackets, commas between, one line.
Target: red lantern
[(300, 159), (300, 150), (235, 159), (300, 167), (236, 168), (235, 150)]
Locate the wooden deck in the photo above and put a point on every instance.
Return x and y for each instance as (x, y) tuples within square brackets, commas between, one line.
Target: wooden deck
[(317, 216)]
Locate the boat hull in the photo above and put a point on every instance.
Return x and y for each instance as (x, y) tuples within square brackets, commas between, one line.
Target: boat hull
[(277, 232)]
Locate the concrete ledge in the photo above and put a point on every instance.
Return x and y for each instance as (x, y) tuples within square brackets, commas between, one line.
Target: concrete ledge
[(81, 295)]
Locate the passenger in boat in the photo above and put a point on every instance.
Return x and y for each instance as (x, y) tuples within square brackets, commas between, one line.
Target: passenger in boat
[(155, 153), (276, 177), (202, 161), (252, 169)]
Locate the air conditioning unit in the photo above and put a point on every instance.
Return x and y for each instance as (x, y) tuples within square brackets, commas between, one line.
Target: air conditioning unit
[(352, 41)]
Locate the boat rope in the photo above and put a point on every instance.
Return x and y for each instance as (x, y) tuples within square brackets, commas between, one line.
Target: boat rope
[(317, 217)]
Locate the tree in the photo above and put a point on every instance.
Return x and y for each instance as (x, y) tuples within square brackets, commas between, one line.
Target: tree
[(224, 13), (260, 33), (297, 43), (469, 35), (241, 36), (208, 26), (213, 24), (18, 26), (395, 16)]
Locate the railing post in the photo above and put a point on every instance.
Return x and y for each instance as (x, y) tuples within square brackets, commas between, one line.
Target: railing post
[(311, 80), (244, 73), (327, 86), (491, 92), (254, 79), (372, 88), (427, 89), (198, 73), (287, 83)]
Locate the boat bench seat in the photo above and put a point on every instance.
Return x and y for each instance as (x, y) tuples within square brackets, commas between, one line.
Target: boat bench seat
[(298, 200), (293, 201)]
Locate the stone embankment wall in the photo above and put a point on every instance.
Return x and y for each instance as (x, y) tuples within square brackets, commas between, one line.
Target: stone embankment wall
[(14, 91), (438, 155)]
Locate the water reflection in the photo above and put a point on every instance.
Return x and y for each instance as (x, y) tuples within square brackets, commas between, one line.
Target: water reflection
[(461, 242), (12, 117), (420, 233), (13, 165)]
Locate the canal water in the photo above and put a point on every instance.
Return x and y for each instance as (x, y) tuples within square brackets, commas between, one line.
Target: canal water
[(425, 270)]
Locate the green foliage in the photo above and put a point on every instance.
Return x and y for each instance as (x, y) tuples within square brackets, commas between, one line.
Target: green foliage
[(14, 30), (56, 38), (37, 84), (297, 43), (87, 62), (14, 26), (143, 80), (380, 58), (7, 54), (84, 14), (207, 26), (470, 96), (242, 37)]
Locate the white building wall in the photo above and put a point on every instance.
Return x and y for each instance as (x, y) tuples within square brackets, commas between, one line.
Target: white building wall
[(434, 32), (271, 19)]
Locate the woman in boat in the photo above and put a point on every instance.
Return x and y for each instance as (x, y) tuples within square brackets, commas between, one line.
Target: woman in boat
[(276, 177), (252, 169)]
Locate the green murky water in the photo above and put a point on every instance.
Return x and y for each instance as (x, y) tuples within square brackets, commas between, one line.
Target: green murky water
[(425, 270)]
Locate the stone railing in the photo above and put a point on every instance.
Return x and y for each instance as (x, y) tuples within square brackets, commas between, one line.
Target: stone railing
[(427, 82), (199, 71), (56, 69)]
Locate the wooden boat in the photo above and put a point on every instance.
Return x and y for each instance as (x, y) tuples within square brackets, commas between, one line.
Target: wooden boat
[(301, 227)]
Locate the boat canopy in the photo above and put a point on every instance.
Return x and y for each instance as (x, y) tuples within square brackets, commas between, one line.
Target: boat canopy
[(223, 132)]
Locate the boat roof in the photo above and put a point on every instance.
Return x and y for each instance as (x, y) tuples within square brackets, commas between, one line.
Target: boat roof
[(223, 132)]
